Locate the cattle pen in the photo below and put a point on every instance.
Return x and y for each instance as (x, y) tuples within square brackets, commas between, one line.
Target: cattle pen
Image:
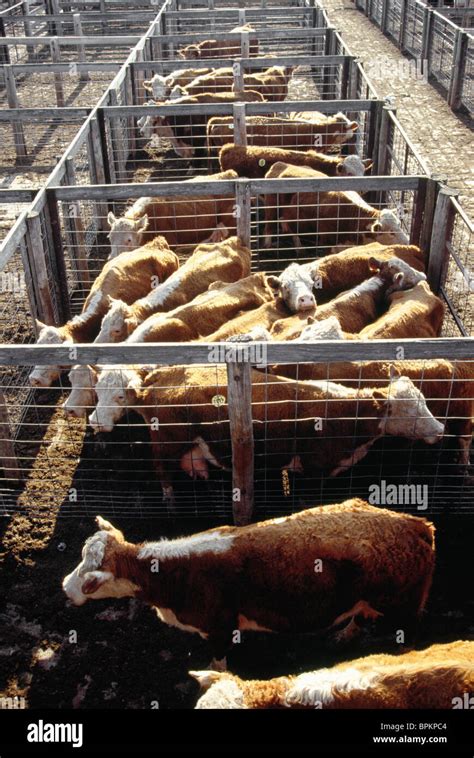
[(59, 243), (87, 140)]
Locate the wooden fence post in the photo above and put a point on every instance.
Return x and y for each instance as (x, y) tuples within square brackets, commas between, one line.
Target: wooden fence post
[(25, 9), (57, 26), (99, 175), (4, 51), (385, 134), (403, 24), (431, 195), (383, 21), (42, 279), (239, 399), (240, 126), (60, 283), (239, 82), (12, 98), (242, 211), (75, 232), (81, 50), (244, 45), (58, 77), (8, 457), (459, 68), (441, 231), (427, 39)]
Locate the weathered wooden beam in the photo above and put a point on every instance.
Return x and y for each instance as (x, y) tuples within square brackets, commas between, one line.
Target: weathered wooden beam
[(58, 78), (13, 102), (42, 280), (239, 399), (439, 252), (450, 348)]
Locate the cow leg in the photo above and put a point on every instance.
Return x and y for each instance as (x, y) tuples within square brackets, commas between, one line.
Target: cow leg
[(347, 634), (164, 475), (361, 608)]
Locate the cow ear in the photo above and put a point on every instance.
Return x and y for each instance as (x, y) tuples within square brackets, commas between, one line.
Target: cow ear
[(141, 223), (394, 373), (273, 281), (93, 580), (376, 226), (147, 85), (111, 218), (354, 126), (39, 324), (310, 320), (102, 523), (205, 678), (398, 278), (374, 264), (368, 163), (339, 168)]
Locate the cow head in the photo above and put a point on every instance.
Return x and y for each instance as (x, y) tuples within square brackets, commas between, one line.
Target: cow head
[(399, 274), (352, 165), (396, 274), (82, 396), (295, 287), (327, 329), (97, 575), (164, 131), (221, 690), (407, 412), (189, 52), (116, 390), (157, 86), (125, 233), (117, 323), (346, 128), (387, 229), (44, 376)]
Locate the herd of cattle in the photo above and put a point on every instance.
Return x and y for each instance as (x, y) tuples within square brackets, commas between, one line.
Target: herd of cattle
[(376, 564)]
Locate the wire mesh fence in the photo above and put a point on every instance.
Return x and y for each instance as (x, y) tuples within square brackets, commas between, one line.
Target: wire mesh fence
[(443, 47)]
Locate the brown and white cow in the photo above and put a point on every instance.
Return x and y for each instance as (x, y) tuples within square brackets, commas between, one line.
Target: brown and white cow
[(437, 677), (334, 217), (253, 162), (416, 312), (276, 131), (225, 261), (160, 86), (352, 419), (375, 563), (127, 277), (212, 48), (187, 133), (296, 286), (181, 220)]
